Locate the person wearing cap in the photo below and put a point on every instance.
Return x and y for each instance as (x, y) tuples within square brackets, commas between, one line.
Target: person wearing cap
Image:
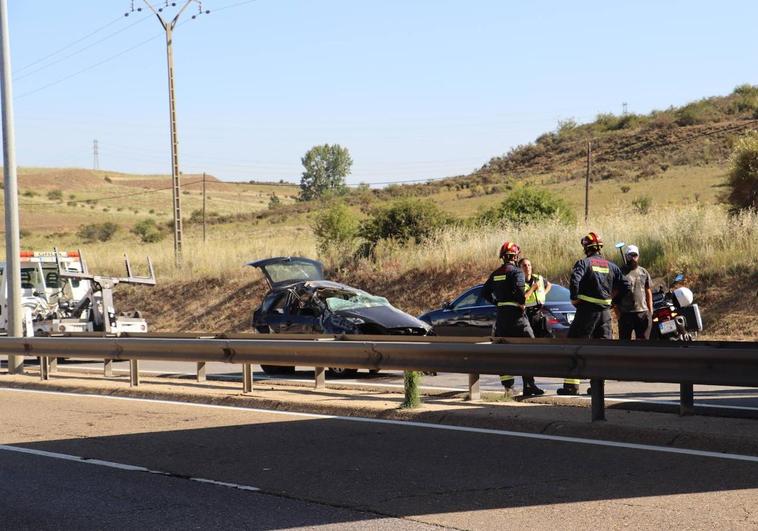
[(505, 289), (635, 309), (595, 283)]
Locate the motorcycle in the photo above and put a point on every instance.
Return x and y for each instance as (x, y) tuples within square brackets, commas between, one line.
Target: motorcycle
[(675, 317)]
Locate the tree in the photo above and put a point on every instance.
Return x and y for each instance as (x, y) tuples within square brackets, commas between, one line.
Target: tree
[(526, 205), (743, 177), (404, 220), (335, 226), (326, 167)]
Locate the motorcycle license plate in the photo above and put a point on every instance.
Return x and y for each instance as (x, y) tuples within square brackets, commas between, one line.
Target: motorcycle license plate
[(667, 327), (570, 317)]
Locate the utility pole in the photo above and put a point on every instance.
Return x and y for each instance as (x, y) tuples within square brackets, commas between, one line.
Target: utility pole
[(169, 24), (12, 249), (624, 110), (203, 207), (587, 183), (95, 156)]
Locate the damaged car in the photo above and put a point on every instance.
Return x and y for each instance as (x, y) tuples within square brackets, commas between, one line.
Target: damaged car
[(302, 301)]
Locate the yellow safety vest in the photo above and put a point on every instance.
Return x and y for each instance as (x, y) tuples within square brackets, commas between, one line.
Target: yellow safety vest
[(538, 296)]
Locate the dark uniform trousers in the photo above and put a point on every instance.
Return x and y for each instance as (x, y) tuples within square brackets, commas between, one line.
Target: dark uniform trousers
[(637, 322), (591, 322), (512, 322)]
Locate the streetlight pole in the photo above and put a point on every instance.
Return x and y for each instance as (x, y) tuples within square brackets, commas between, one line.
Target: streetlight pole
[(169, 24), (12, 251)]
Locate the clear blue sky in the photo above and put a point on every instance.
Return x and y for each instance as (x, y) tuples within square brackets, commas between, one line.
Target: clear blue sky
[(415, 89)]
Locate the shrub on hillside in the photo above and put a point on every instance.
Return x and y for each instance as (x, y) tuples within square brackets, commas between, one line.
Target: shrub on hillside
[(403, 221), (527, 205), (642, 204), (97, 232), (743, 177), (335, 227), (149, 231), (55, 195)]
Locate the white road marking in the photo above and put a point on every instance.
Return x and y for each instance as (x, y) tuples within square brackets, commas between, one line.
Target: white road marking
[(118, 466), (425, 425), (493, 388)]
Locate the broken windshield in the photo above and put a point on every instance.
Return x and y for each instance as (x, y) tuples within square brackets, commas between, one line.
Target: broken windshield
[(352, 300)]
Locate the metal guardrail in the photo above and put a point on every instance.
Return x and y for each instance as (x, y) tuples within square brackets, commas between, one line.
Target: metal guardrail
[(717, 363)]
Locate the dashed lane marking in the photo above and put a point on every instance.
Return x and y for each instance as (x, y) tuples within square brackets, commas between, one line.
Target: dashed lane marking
[(424, 425)]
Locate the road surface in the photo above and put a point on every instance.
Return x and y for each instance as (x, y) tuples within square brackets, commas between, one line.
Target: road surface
[(71, 461)]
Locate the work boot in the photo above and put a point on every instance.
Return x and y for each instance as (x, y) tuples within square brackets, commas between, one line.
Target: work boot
[(568, 389), (532, 390), (507, 388)]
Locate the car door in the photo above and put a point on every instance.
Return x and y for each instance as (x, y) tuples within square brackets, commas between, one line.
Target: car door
[(299, 317), (468, 315)]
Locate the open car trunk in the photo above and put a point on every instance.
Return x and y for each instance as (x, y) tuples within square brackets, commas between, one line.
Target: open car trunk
[(285, 270)]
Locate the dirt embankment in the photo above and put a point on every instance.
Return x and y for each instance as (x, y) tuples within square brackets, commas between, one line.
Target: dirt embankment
[(218, 305)]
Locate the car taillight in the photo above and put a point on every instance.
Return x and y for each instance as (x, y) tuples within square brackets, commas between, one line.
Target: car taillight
[(553, 320)]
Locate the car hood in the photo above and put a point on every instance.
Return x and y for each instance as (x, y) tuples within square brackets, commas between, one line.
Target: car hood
[(385, 316)]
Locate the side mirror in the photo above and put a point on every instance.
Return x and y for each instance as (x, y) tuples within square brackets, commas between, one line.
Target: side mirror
[(447, 305)]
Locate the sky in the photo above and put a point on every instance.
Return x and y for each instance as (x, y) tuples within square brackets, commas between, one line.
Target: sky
[(415, 89)]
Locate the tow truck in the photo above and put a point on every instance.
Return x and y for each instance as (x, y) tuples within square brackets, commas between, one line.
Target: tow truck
[(59, 294)]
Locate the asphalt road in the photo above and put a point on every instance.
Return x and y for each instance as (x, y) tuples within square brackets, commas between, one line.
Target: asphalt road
[(740, 398), (85, 462)]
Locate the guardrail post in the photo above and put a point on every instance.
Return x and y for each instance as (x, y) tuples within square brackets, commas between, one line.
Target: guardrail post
[(686, 399), (108, 368), (474, 387), (201, 371), (44, 368), (53, 364), (133, 373), (320, 377), (247, 377), (598, 399)]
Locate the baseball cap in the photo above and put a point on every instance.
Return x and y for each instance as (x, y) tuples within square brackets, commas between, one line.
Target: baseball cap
[(632, 249)]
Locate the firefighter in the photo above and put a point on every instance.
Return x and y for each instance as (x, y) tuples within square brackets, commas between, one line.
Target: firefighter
[(505, 289), (594, 283)]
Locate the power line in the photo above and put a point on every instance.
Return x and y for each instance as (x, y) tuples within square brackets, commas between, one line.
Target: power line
[(80, 50), (71, 44)]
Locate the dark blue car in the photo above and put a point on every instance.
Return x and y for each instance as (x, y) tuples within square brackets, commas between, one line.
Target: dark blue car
[(471, 315)]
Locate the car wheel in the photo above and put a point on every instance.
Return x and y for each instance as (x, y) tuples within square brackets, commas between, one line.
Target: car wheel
[(277, 369), (342, 372)]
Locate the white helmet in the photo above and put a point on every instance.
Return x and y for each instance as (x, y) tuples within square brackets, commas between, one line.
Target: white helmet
[(683, 297)]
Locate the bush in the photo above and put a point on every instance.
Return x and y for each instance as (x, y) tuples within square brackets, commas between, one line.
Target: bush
[(625, 189), (743, 177), (528, 205), (55, 195), (642, 204), (148, 231), (404, 220), (97, 232), (274, 201), (335, 227), (107, 179)]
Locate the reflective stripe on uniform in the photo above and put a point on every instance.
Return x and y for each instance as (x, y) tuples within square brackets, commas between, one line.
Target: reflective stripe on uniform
[(587, 298), (599, 269), (537, 296), (572, 381), (506, 378), (508, 304), (498, 278)]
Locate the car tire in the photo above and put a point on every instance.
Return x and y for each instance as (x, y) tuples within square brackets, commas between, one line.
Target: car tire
[(341, 372), (277, 369)]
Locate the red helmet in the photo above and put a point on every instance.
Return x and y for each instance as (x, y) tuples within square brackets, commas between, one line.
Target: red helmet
[(509, 249), (592, 241)]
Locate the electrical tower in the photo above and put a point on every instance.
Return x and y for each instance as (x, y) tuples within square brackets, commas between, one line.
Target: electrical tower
[(95, 156), (169, 24)]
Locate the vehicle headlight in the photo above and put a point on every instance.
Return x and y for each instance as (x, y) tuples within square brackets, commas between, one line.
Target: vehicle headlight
[(355, 320)]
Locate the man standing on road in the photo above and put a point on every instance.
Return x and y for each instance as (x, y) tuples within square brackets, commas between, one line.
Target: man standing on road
[(594, 283), (505, 289), (636, 307)]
